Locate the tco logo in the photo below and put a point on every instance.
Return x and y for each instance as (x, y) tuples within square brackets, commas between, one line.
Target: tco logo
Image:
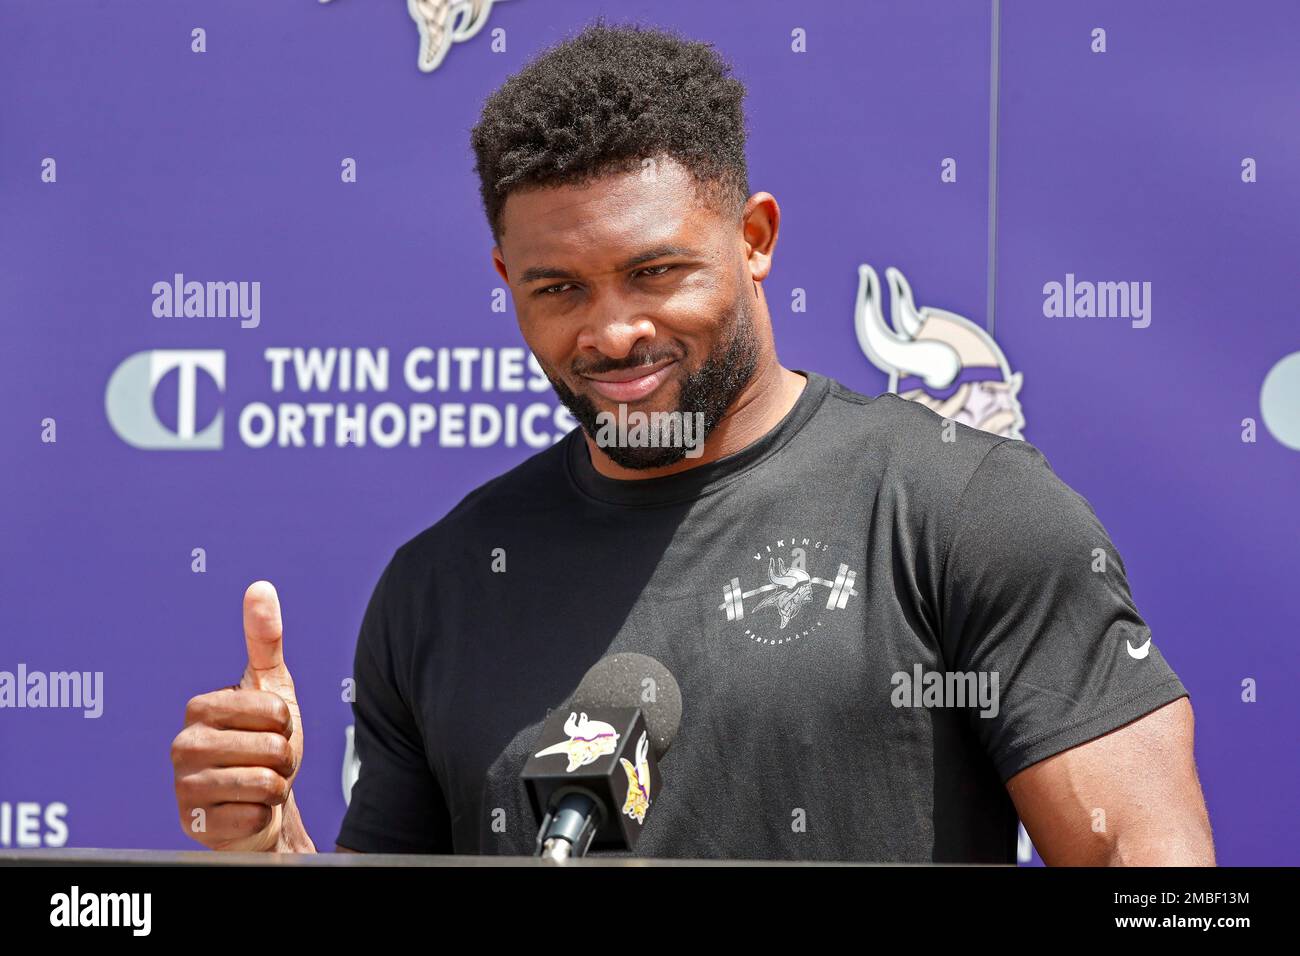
[(130, 398)]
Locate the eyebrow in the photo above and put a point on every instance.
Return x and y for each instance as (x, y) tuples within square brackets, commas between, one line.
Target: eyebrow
[(533, 273)]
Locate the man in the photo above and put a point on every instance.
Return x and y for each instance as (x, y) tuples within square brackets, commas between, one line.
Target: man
[(891, 632)]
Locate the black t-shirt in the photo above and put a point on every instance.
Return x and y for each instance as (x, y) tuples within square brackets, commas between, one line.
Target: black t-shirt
[(823, 597)]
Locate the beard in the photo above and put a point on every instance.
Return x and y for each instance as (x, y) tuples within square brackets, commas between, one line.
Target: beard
[(708, 391)]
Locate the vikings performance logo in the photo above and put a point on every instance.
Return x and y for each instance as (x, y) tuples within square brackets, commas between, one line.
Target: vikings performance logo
[(588, 740), (793, 590), (936, 358), (444, 22), (788, 592), (638, 781)]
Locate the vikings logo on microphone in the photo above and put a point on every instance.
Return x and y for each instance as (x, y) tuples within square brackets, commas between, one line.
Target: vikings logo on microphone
[(937, 358), (638, 781), (588, 740)]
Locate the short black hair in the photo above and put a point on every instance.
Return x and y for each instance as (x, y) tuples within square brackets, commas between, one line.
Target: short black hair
[(604, 100)]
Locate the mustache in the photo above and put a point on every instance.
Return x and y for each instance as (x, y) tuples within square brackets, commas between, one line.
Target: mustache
[(615, 365)]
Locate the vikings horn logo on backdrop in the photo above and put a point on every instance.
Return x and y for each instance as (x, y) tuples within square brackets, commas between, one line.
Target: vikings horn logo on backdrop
[(937, 358), (444, 22)]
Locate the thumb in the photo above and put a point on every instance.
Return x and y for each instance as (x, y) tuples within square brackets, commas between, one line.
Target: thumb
[(263, 630), (264, 637)]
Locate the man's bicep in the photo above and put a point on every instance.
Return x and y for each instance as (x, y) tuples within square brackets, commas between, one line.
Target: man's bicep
[(1129, 797)]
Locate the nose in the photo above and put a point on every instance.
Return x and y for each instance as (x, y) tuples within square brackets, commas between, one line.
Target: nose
[(613, 330)]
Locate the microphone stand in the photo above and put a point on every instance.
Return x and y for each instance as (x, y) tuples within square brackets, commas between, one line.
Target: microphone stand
[(568, 829)]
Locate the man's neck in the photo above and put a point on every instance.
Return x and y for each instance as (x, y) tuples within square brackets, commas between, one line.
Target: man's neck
[(758, 409)]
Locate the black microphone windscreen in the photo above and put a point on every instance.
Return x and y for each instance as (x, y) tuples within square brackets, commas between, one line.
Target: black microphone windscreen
[(635, 680)]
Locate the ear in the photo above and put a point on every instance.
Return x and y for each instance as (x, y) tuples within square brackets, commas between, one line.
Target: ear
[(760, 223), (500, 263)]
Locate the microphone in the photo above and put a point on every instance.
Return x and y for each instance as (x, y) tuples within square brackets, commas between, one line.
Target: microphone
[(594, 776)]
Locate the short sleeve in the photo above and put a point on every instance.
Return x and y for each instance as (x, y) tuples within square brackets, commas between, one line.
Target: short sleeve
[(1035, 592), (396, 804)]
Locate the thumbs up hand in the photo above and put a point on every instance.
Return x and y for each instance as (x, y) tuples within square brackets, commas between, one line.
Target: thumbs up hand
[(239, 752)]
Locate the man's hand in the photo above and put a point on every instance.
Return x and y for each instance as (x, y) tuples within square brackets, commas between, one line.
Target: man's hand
[(1128, 798), (238, 755)]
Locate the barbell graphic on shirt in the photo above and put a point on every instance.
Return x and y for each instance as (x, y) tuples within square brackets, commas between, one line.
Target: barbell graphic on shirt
[(841, 589)]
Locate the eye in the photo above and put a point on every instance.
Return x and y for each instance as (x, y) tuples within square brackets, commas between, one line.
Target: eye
[(649, 272), (550, 289)]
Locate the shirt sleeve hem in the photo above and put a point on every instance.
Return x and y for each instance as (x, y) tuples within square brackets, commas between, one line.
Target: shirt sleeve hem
[(1089, 728)]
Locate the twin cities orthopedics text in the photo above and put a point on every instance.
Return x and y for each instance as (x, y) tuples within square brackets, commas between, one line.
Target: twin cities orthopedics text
[(387, 424)]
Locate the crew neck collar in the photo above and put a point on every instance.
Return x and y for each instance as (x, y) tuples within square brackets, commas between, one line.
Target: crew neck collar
[(702, 479)]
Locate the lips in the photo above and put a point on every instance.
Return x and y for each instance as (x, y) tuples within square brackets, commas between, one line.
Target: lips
[(631, 384)]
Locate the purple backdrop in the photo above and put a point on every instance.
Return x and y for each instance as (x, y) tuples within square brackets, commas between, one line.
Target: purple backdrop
[(226, 165)]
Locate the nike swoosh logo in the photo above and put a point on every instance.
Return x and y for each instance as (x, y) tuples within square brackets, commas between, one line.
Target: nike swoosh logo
[(1137, 653)]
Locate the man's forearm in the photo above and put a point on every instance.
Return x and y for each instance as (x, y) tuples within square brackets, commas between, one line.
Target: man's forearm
[(1191, 846)]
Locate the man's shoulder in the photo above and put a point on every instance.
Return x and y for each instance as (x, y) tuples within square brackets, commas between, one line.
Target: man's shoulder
[(940, 466), (906, 444), (942, 474)]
